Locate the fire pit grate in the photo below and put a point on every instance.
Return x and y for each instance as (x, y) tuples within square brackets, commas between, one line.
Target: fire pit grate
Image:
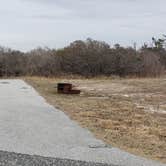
[(66, 88)]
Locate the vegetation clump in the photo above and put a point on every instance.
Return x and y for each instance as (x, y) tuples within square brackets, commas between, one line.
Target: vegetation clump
[(87, 58)]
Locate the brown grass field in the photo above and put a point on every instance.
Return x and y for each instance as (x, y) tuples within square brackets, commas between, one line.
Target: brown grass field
[(126, 113)]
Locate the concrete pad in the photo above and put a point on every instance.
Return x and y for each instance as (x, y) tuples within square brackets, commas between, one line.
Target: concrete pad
[(29, 125)]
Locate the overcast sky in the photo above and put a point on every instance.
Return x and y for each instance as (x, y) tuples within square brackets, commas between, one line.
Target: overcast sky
[(26, 24)]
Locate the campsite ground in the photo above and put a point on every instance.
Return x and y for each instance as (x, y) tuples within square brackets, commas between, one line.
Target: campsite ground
[(126, 113)]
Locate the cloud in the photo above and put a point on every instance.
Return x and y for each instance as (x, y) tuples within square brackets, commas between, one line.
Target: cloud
[(28, 23)]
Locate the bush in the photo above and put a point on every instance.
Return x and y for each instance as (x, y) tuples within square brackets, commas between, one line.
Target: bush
[(87, 58)]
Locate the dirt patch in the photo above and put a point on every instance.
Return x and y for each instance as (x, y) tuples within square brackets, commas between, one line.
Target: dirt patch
[(126, 113)]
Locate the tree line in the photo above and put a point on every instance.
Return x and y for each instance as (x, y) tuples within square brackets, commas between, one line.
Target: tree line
[(86, 58)]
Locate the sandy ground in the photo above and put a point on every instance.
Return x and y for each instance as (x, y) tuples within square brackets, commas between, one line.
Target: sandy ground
[(127, 113)]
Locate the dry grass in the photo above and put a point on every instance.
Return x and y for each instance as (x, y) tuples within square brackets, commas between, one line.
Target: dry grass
[(127, 113)]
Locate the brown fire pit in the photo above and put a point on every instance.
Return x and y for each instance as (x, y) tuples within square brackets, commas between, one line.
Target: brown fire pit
[(66, 88)]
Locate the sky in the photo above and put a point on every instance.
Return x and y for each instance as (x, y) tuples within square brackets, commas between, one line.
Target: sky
[(27, 24)]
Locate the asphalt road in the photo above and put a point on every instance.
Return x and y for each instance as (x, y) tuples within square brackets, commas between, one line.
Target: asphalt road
[(29, 125), (16, 159)]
